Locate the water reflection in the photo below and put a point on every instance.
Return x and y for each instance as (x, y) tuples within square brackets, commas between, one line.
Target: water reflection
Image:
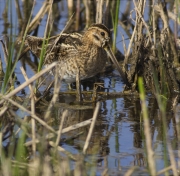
[(118, 139), (118, 136)]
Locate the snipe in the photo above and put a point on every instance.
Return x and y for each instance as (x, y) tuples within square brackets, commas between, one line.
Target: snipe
[(86, 53)]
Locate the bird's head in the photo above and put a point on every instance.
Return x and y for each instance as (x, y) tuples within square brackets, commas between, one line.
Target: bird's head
[(98, 34)]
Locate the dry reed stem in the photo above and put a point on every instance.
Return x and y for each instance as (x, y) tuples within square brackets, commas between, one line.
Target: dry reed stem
[(5, 163), (34, 167), (70, 4), (29, 112), (141, 5), (26, 78), (57, 86), (177, 121), (124, 45), (164, 170), (154, 23), (159, 9), (33, 125), (76, 126), (173, 17), (131, 171), (46, 91), (47, 169), (40, 83), (79, 166), (106, 12), (88, 11), (172, 158), (50, 2), (33, 112), (141, 17), (64, 115), (99, 11), (21, 165), (29, 143), (60, 149), (176, 7), (78, 9), (130, 44), (5, 49), (95, 114), (6, 167), (105, 172), (3, 110), (65, 130), (1, 67), (163, 14), (22, 86), (35, 22), (1, 138), (22, 35), (125, 69)]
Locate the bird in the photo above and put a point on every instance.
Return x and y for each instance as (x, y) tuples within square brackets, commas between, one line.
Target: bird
[(85, 53)]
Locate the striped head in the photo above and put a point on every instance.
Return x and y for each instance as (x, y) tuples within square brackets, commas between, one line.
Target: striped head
[(97, 34)]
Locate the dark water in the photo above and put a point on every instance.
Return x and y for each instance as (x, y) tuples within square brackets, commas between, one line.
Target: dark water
[(118, 139)]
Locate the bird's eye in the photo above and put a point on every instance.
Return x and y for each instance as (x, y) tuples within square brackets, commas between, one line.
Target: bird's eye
[(102, 33)]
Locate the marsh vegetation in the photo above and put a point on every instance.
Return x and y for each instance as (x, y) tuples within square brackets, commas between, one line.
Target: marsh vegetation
[(106, 125)]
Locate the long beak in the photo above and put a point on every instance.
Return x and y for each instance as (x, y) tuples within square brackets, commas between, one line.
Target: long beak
[(115, 62)]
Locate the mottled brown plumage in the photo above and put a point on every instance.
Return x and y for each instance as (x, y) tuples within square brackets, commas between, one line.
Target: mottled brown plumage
[(86, 53)]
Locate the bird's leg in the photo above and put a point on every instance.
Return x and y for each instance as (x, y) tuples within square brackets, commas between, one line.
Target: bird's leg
[(96, 85), (69, 86), (78, 87)]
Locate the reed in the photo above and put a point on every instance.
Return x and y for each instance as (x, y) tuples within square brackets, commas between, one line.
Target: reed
[(8, 52), (115, 20), (34, 148), (147, 131), (161, 97), (45, 41)]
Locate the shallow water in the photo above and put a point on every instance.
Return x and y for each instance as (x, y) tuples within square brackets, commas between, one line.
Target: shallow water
[(118, 139)]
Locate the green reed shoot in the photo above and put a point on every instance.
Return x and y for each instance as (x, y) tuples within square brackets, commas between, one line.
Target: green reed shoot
[(10, 51), (115, 18), (43, 50), (45, 41), (11, 47), (147, 131), (21, 153), (42, 55)]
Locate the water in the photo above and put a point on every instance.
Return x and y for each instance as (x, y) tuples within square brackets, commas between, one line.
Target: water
[(118, 139)]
